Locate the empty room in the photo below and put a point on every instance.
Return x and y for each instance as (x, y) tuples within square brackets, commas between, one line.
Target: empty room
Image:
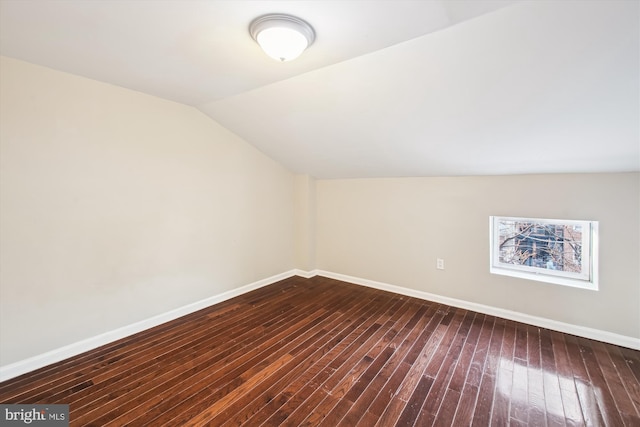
[(320, 213)]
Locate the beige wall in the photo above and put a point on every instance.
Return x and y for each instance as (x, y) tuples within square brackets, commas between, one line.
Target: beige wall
[(305, 222), (116, 206), (392, 231)]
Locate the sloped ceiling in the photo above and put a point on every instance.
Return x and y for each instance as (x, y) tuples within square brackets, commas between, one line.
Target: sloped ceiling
[(389, 88)]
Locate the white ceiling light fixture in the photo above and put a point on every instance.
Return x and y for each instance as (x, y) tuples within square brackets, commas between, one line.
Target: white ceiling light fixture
[(282, 37)]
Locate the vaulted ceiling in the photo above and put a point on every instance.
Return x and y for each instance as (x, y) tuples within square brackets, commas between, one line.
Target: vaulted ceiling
[(389, 88)]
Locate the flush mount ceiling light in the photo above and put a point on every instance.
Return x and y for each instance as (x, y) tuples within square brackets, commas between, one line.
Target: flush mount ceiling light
[(282, 37)]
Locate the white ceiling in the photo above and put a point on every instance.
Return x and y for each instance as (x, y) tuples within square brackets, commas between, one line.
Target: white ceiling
[(389, 88)]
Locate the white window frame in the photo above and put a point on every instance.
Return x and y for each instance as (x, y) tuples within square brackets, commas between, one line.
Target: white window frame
[(586, 279)]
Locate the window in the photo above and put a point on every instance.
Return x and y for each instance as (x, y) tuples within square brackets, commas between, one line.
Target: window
[(548, 250)]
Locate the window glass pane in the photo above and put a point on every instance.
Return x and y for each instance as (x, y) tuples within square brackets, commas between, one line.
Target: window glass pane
[(541, 245)]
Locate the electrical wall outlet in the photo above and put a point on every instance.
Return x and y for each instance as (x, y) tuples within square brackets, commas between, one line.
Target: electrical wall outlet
[(440, 264)]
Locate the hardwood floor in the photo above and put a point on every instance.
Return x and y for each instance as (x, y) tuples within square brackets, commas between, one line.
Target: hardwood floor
[(323, 352)]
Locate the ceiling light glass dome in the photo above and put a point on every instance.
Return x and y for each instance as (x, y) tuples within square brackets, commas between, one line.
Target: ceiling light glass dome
[(282, 37)]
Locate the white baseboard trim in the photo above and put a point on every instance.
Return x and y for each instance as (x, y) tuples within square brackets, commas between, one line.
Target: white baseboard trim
[(305, 274), (582, 331), (36, 362)]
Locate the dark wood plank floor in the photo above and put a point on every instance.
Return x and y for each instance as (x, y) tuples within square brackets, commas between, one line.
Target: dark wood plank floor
[(323, 352)]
